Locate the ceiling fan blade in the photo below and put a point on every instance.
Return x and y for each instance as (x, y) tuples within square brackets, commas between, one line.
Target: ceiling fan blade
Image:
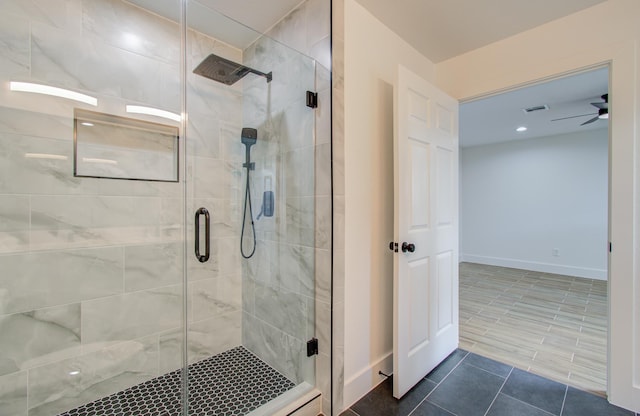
[(590, 121), (581, 115), (600, 105)]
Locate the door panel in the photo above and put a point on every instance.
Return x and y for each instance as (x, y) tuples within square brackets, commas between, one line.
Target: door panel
[(426, 215)]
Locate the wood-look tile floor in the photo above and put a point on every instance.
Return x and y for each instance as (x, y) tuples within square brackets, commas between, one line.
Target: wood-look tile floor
[(551, 325)]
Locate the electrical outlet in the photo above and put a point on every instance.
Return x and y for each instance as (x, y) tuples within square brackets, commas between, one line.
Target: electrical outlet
[(555, 252)]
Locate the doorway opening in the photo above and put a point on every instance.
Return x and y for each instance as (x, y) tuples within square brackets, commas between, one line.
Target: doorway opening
[(534, 228)]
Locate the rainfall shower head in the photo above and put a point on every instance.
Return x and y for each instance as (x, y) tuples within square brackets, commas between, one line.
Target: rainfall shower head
[(223, 70), (249, 136)]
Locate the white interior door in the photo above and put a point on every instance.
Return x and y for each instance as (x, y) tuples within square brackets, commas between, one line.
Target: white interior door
[(425, 285)]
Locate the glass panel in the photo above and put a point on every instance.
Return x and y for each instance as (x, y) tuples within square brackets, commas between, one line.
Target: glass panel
[(91, 288), (250, 163)]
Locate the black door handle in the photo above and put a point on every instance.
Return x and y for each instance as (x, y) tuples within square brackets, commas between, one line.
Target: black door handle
[(408, 247), (207, 228)]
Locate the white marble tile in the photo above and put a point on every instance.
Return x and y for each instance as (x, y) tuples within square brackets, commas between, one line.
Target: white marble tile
[(67, 384), (217, 296), (213, 336), (14, 223), (34, 338), (229, 256), (81, 221), (299, 126), (170, 351), (276, 348), (131, 315), (23, 174), (58, 13), (14, 46), (56, 278), (150, 266), (208, 97), (205, 338), (323, 380), (318, 17), (300, 221), (291, 30), (13, 394), (323, 169), (199, 46), (299, 172), (338, 378), (231, 146), (134, 29), (323, 275), (293, 269), (321, 52), (248, 295), (293, 74), (207, 270), (323, 326), (282, 309), (27, 171), (259, 267), (214, 178), (323, 118), (88, 65), (323, 222), (36, 123), (203, 136)]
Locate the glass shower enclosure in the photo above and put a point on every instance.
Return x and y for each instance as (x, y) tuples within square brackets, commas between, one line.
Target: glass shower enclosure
[(158, 199)]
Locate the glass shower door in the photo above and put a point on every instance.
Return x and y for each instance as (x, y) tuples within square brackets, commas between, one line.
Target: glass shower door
[(91, 208), (250, 164)]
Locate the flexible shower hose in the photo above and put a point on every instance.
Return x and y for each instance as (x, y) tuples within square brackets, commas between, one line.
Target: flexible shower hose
[(247, 198)]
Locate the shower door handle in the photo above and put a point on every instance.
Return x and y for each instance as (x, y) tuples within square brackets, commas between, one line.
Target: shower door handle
[(207, 234)]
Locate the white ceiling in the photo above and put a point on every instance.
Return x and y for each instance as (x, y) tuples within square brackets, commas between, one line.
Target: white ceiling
[(236, 22), (495, 119), (442, 29), (439, 29)]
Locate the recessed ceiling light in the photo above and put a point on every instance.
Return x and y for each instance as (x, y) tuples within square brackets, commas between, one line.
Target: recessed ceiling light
[(521, 129), (86, 123)]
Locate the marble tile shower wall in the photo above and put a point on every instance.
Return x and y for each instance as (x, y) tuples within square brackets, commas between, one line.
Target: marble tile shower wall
[(91, 269), (287, 286)]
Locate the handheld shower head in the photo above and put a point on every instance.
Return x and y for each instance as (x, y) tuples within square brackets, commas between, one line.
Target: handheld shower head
[(249, 136)]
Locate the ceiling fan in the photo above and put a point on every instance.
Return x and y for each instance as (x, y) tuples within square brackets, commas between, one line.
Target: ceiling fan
[(603, 111)]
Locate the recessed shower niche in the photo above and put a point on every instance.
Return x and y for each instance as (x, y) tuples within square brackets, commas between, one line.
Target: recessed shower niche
[(105, 307), (110, 146)]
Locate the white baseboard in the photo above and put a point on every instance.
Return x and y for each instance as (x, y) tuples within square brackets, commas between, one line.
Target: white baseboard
[(536, 266), (365, 380)]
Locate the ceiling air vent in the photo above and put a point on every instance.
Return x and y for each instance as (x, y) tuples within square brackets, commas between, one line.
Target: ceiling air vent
[(535, 108)]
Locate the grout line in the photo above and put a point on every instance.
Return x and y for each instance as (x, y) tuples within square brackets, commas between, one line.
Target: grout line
[(564, 399), (441, 381), (499, 390)]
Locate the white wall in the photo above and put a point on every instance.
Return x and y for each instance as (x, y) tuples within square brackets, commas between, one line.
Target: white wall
[(522, 199), (372, 54), (562, 46)]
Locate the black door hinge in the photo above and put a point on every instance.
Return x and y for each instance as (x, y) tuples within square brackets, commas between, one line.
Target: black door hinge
[(312, 347), (312, 99), (610, 247)]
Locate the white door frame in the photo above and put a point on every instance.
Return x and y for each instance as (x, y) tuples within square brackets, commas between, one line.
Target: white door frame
[(623, 367)]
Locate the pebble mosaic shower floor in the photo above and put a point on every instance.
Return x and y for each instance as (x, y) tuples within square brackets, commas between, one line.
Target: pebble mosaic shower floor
[(232, 383)]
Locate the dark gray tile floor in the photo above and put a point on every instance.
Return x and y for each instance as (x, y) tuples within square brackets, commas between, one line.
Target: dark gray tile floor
[(466, 384)]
